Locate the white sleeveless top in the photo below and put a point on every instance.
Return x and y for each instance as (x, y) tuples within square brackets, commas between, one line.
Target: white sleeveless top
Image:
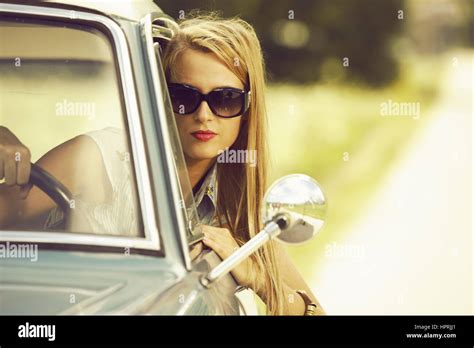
[(117, 216)]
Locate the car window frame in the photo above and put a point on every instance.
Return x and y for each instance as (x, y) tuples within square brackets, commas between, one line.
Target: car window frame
[(158, 88), (151, 243)]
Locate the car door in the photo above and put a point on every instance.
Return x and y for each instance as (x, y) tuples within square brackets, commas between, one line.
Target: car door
[(67, 72)]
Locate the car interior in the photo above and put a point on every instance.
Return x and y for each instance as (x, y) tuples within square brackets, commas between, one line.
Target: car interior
[(58, 81)]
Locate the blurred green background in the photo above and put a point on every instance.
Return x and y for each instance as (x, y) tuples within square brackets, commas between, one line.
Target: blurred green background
[(326, 120)]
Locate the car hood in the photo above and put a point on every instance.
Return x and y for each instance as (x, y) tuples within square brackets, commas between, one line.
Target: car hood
[(80, 283)]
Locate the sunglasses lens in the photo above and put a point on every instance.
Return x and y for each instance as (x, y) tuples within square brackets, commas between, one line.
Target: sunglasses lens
[(227, 102), (184, 99)]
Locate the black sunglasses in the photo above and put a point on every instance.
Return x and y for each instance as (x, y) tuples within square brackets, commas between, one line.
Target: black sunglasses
[(224, 102)]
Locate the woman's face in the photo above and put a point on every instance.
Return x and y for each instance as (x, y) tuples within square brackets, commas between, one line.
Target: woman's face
[(205, 72)]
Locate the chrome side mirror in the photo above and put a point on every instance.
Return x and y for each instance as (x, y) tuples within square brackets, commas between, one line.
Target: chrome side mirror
[(294, 211), (300, 198)]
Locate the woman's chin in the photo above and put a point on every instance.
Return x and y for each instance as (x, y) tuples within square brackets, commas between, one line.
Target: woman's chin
[(200, 155)]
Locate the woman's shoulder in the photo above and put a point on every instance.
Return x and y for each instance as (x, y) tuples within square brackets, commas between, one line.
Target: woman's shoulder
[(113, 147), (109, 138)]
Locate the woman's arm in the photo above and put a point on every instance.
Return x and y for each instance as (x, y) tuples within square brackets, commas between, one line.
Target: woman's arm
[(222, 242), (293, 281)]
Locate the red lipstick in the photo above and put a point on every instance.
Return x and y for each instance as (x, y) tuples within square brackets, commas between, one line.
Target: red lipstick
[(204, 135)]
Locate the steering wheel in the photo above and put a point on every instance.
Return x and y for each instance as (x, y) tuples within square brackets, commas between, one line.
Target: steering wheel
[(54, 189)]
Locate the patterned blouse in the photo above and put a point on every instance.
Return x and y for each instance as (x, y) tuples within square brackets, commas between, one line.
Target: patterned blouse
[(206, 198)]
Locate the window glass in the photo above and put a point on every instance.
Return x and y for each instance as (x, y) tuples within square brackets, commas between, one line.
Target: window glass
[(60, 94)]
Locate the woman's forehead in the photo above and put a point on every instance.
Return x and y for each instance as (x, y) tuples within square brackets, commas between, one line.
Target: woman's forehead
[(204, 71)]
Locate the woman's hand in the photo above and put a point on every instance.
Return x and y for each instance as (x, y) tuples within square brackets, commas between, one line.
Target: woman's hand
[(195, 250), (15, 166), (223, 243)]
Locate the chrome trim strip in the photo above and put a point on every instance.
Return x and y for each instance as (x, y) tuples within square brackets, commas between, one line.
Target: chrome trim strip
[(151, 240), (45, 288), (146, 25), (85, 306), (168, 20)]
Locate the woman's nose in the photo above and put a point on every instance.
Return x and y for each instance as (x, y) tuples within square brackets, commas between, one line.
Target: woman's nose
[(203, 112)]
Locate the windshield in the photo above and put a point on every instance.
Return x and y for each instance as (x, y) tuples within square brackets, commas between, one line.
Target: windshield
[(187, 202)]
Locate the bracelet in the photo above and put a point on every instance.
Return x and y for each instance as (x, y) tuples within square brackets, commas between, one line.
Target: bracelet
[(309, 304)]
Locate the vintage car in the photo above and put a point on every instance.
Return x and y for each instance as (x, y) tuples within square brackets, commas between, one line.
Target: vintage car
[(70, 67)]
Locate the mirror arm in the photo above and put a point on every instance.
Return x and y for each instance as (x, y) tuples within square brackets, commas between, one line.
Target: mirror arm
[(270, 231)]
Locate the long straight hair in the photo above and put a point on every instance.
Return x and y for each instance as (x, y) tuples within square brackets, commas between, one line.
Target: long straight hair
[(241, 187)]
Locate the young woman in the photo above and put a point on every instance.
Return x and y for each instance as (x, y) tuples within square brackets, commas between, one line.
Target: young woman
[(215, 74)]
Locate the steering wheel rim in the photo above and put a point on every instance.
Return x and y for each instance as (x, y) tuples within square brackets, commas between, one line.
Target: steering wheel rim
[(53, 188)]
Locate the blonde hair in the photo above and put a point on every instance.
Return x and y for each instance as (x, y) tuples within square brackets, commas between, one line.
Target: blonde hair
[(241, 186)]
